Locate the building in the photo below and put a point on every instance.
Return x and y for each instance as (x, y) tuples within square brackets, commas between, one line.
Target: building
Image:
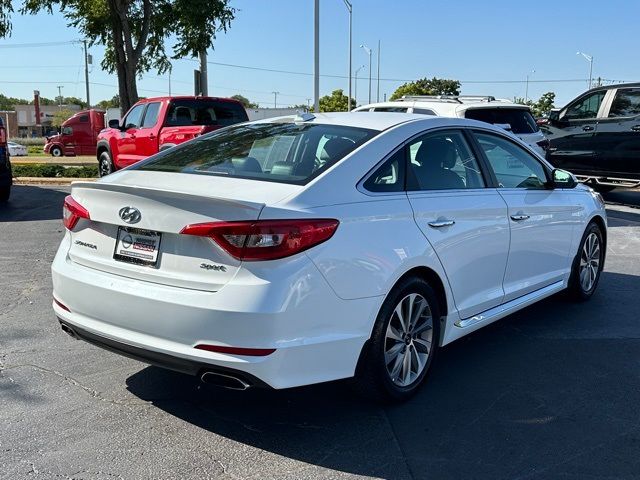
[(262, 113), (27, 125)]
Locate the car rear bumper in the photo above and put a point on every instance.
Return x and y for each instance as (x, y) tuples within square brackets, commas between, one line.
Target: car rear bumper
[(316, 335)]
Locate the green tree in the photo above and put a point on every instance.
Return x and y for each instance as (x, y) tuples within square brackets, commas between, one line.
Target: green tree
[(303, 106), (426, 86), (336, 102), (246, 103), (541, 107), (74, 101), (113, 102), (60, 117), (8, 103), (134, 32)]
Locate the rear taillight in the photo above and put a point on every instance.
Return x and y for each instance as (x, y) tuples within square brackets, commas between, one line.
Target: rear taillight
[(544, 144), (265, 239), (3, 136), (72, 211)]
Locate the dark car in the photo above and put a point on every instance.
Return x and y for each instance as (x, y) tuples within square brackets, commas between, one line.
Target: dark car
[(6, 178), (597, 136)]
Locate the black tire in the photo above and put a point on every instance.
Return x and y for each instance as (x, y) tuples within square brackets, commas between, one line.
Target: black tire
[(56, 151), (579, 289), (5, 193), (373, 379), (105, 165)]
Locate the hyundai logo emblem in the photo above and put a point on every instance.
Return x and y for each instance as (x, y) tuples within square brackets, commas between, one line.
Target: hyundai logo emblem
[(130, 214)]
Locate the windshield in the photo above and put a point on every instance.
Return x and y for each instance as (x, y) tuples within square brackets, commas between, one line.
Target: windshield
[(204, 112), (520, 120), (278, 152)]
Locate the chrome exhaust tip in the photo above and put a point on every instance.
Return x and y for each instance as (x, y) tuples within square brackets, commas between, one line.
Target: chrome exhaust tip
[(225, 381), (68, 330)]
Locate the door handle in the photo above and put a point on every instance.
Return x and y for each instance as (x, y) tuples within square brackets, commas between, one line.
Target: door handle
[(636, 128), (441, 222), (587, 128), (518, 217)]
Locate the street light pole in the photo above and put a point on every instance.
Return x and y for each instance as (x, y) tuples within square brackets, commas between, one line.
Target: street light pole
[(86, 72), (356, 84), (350, 8), (378, 75), (316, 56), (526, 91), (275, 99), (589, 58), (368, 52), (60, 87)]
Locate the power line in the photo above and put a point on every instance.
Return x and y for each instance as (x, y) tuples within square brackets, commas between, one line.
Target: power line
[(40, 44)]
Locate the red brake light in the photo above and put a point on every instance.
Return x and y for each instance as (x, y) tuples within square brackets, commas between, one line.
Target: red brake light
[(72, 211), (3, 135), (265, 239)]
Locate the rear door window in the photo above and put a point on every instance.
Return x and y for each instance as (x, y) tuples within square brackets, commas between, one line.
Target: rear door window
[(190, 112), (424, 111), (519, 119), (626, 103), (151, 115)]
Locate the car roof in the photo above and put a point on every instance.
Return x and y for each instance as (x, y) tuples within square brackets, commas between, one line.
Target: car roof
[(381, 120), (186, 97), (448, 107)]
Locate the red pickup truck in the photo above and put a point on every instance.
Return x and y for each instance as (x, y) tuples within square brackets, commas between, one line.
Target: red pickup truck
[(155, 124), (78, 135)]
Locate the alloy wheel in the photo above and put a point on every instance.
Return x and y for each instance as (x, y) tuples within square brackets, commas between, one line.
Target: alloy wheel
[(408, 340), (589, 262)]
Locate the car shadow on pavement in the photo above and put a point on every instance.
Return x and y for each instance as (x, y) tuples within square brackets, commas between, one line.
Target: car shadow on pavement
[(29, 203), (545, 392)]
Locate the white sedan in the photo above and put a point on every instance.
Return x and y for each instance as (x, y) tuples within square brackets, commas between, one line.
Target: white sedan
[(16, 150), (304, 249)]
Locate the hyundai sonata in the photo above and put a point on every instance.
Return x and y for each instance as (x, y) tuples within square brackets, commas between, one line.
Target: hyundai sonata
[(304, 249)]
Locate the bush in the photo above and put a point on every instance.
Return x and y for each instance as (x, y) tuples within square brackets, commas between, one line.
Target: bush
[(30, 141), (34, 150), (54, 170)]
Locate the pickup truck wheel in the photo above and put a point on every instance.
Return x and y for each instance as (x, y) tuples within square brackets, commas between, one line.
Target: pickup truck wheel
[(105, 165), (56, 152)]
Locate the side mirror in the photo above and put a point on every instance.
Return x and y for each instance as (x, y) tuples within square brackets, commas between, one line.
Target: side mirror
[(563, 179), (114, 123)]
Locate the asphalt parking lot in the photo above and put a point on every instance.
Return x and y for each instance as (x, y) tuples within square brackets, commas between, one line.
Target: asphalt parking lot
[(550, 392)]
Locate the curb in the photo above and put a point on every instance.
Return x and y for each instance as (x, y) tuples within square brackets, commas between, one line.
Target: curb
[(48, 181)]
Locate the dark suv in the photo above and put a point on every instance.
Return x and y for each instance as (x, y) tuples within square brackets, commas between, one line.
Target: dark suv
[(5, 166), (597, 136)]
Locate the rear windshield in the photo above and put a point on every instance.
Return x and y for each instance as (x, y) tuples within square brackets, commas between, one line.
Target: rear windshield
[(520, 120), (204, 112), (278, 152)]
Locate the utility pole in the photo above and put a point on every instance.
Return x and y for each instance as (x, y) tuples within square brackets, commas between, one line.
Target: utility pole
[(87, 61), (355, 93), (378, 92), (350, 8), (368, 52), (204, 82), (316, 55), (275, 99), (60, 87), (308, 104), (526, 90)]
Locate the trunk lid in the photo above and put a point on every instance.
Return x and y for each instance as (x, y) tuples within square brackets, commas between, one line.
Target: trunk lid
[(166, 203)]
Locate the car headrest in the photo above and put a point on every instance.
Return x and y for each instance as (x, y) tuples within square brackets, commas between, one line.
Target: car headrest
[(437, 152), (247, 164), (337, 147)]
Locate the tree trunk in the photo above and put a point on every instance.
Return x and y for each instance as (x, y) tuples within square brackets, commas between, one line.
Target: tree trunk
[(126, 55)]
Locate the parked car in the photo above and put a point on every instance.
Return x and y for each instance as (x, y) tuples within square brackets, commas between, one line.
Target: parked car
[(16, 150), (511, 116), (6, 178), (597, 136), (305, 249), (155, 124), (78, 135)]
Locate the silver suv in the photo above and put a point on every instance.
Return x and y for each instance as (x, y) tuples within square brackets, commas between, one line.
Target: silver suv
[(511, 116)]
